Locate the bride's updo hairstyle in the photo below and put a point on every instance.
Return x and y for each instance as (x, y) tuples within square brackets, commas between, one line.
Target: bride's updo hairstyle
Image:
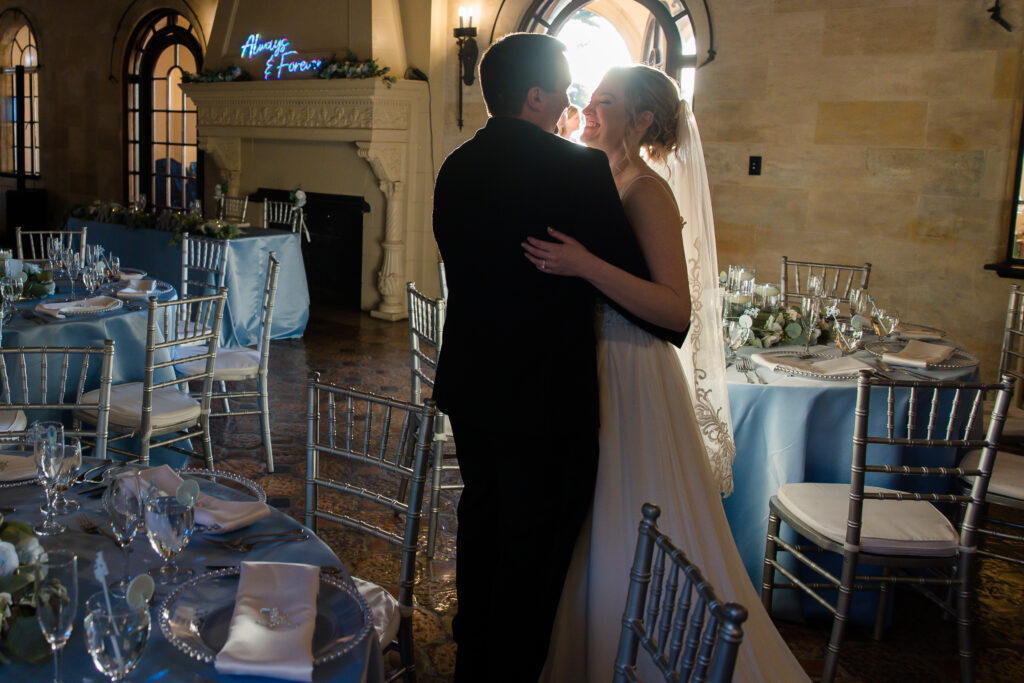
[(652, 90)]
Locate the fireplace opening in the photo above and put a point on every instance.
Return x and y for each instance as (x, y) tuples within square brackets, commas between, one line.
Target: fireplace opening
[(334, 254)]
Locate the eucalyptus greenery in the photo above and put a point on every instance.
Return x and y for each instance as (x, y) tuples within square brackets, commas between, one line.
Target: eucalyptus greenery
[(352, 67), (231, 73), (19, 632), (175, 222)]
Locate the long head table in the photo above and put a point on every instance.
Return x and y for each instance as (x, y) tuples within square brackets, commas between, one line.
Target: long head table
[(152, 251)]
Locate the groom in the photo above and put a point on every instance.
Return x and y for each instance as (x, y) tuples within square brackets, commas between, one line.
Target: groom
[(518, 371)]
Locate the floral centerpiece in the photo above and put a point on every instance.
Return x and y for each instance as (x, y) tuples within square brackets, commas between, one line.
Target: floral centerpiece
[(37, 282), (169, 221), (297, 197), (788, 325), (19, 631)]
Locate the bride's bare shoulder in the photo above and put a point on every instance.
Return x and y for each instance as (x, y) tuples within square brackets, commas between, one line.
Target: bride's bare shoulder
[(649, 194)]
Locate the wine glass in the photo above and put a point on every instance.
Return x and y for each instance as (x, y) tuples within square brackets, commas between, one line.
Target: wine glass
[(849, 337), (815, 285), (169, 526), (115, 267), (56, 600), (123, 502), (89, 280), (48, 442), (810, 310), (116, 634), (69, 466), (889, 320), (7, 290), (74, 266)]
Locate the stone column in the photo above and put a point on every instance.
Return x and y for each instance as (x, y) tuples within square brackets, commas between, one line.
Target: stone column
[(388, 164), (227, 152)]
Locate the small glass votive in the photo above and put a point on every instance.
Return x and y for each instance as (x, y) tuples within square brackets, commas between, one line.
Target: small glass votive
[(767, 297), (734, 304), (741, 279)]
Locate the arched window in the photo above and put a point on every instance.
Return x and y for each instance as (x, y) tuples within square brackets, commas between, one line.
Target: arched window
[(21, 105), (163, 160), (660, 33)]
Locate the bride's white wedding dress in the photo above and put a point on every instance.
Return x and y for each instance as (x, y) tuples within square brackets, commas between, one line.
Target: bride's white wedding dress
[(651, 451)]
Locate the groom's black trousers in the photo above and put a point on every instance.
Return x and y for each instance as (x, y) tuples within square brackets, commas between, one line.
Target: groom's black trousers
[(524, 502)]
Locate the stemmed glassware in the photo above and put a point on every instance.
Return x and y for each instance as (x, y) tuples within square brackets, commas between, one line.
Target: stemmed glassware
[(69, 466), (56, 600), (736, 335), (48, 441), (10, 288), (888, 320), (116, 634), (123, 502), (74, 267), (810, 309), (169, 526)]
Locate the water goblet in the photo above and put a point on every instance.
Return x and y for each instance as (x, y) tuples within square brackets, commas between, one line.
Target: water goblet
[(56, 600), (889, 321), (849, 337), (815, 285), (48, 443), (69, 466), (116, 634), (74, 267), (115, 267), (89, 280), (169, 526), (123, 502)]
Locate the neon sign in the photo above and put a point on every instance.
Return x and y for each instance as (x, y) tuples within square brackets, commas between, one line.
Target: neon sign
[(282, 61)]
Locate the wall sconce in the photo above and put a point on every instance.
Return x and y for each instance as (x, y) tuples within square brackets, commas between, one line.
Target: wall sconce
[(465, 38)]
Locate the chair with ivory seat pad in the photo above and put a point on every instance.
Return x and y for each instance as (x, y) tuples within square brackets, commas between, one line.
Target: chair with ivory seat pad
[(426, 324), (53, 379), (245, 365), (893, 529), (366, 467), (158, 407)]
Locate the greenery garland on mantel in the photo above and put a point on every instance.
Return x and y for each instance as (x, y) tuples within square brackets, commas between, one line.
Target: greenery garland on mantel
[(176, 222), (349, 68)]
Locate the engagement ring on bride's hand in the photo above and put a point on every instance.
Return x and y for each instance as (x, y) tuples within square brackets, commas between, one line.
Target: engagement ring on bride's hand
[(543, 265)]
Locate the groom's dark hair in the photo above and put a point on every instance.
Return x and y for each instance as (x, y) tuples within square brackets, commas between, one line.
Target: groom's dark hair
[(516, 63)]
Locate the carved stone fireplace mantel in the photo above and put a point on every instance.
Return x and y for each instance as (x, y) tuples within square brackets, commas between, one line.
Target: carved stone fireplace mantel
[(389, 127)]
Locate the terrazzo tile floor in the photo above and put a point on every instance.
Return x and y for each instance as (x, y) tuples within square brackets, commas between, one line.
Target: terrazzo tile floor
[(350, 348)]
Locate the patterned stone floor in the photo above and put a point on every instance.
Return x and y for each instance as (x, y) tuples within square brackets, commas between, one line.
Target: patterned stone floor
[(352, 349)]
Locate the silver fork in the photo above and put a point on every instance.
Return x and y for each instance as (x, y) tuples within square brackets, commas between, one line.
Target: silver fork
[(744, 366)]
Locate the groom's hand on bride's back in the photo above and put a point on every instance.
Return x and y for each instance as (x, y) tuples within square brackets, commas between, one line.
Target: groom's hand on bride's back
[(561, 255)]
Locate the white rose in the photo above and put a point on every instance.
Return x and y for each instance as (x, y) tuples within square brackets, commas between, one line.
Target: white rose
[(8, 559), (30, 551), (792, 314), (32, 268), (300, 198)]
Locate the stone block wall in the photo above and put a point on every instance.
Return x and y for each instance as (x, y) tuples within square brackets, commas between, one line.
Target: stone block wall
[(888, 131)]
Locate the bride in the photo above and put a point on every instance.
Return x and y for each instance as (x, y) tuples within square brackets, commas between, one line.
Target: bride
[(652, 448)]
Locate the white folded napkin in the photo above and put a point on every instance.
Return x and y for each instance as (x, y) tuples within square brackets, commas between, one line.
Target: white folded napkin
[(286, 649), (141, 286), (17, 468), (912, 331), (221, 515), (919, 354), (130, 275), (847, 365), (59, 308)]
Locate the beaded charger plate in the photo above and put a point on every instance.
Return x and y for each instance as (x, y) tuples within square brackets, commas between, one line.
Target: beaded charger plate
[(196, 616), (812, 355), (959, 359)]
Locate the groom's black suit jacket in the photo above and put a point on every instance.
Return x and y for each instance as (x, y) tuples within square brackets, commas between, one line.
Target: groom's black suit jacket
[(519, 345)]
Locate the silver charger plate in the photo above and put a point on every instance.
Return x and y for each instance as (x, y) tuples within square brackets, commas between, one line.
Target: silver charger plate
[(196, 616), (915, 331), (160, 289), (818, 353), (959, 359), (226, 478), (89, 311)]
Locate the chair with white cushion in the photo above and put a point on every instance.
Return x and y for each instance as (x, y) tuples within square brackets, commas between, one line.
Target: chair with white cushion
[(31, 244), (838, 280), (674, 614), (363, 452), (158, 411), (246, 365), (426, 323), (54, 379), (893, 529)]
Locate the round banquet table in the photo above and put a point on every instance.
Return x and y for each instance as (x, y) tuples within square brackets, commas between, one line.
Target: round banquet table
[(796, 429), (162, 660)]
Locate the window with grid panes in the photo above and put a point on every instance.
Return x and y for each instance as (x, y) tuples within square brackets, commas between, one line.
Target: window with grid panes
[(21, 106), (163, 162)]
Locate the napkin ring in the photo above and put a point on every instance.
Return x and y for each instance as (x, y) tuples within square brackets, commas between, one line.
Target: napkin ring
[(273, 618)]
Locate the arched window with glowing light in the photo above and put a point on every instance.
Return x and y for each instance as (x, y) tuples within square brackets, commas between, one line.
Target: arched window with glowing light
[(163, 159), (21, 104), (600, 34)]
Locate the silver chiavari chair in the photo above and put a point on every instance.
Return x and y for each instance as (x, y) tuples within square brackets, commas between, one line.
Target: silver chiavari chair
[(426, 323), (838, 280), (246, 365), (351, 434), (1006, 485), (280, 214), (890, 528), (31, 244), (204, 264), (232, 209), (54, 379), (157, 410), (673, 613)]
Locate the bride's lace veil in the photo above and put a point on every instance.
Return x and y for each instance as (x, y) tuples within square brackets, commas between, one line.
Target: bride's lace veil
[(703, 354)]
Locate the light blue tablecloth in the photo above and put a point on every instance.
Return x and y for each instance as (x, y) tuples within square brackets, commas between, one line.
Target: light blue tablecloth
[(150, 250), (801, 430), (162, 661)]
